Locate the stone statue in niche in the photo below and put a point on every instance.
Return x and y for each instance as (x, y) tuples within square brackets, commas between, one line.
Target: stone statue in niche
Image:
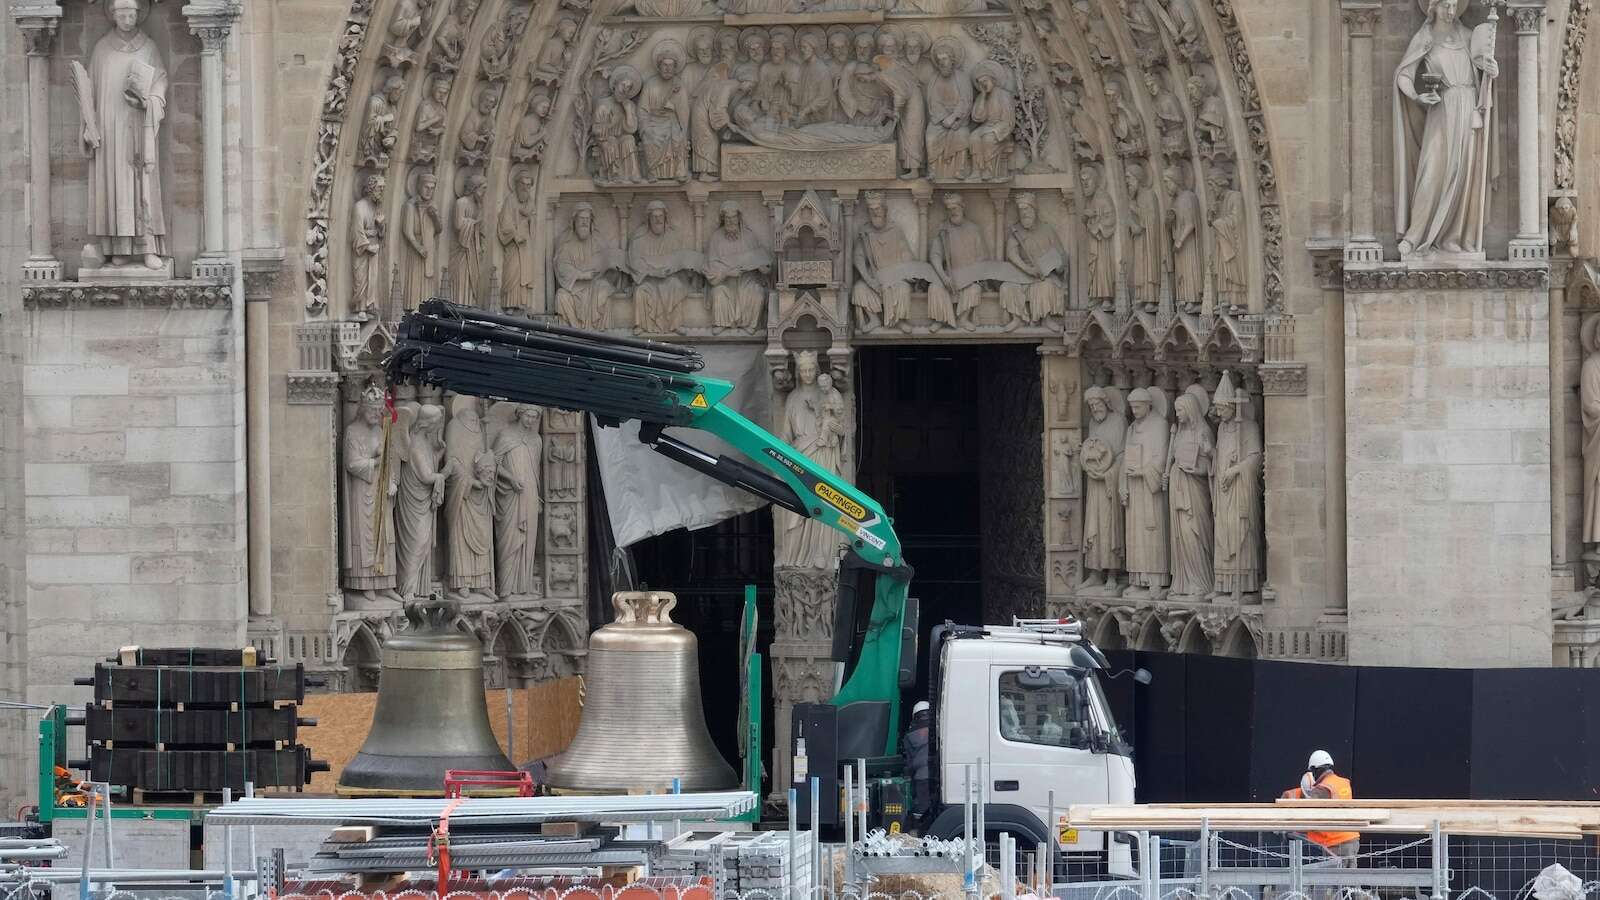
[(466, 262), (809, 425), (1145, 31), (815, 97), (122, 98), (702, 55), (615, 126), (994, 118), (778, 79), (555, 56), (1035, 248), (1100, 456), (531, 136), (583, 295), (518, 453), (1100, 221), (469, 505), (1188, 484), (710, 118), (1237, 488), (1183, 223), (1564, 225), (957, 253), (949, 112), (1444, 132), (419, 497), (885, 266), (431, 114), (403, 27), (1081, 125), (366, 246), (659, 259), (564, 575), (736, 269), (1169, 115), (1148, 240), (1102, 46), (1227, 233), (1184, 23), (477, 133), (1126, 129), (379, 133), (1210, 118), (1144, 461), (499, 46), (1589, 401), (450, 42), (563, 528), (664, 117), (563, 467), (367, 529), (905, 89), (420, 228), (516, 243)]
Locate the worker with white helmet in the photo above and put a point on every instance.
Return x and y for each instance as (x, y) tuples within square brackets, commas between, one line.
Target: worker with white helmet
[(1320, 782), (916, 753)]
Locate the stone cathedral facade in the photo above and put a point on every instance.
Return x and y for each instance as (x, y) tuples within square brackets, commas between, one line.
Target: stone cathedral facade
[(1313, 289)]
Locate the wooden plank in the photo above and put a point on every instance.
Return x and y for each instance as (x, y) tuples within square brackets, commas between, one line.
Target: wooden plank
[(353, 834)]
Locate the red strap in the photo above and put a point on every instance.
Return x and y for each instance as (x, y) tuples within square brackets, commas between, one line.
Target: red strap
[(388, 401)]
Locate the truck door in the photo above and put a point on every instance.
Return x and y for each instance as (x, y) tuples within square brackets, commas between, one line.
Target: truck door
[(1040, 740)]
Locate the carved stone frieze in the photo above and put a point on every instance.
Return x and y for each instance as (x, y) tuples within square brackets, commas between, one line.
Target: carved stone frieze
[(765, 164), (1568, 82), (1409, 279), (312, 388), (168, 295), (1283, 379), (804, 603), (335, 106)]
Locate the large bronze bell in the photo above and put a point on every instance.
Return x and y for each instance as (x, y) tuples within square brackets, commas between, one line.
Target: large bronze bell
[(432, 715), (642, 724)]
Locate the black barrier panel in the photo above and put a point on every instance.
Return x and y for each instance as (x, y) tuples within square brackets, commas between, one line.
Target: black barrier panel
[(1527, 733), (1413, 734), (1159, 731), (1299, 708), (1218, 715)]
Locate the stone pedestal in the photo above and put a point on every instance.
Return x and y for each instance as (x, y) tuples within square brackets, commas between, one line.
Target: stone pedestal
[(1447, 465)]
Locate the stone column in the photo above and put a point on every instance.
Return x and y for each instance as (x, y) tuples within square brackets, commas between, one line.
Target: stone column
[(1360, 19), (212, 23), (260, 272), (1530, 242), (38, 25), (847, 198)]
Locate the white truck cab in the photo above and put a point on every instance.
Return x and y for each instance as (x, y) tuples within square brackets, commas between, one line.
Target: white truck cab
[(1026, 699)]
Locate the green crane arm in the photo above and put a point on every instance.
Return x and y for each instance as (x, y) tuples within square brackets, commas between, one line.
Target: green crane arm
[(471, 351)]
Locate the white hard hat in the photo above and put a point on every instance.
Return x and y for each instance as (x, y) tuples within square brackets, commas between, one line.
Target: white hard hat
[(920, 706), (1320, 759)]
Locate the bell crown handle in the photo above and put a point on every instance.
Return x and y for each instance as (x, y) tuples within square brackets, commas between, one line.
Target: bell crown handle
[(643, 607)]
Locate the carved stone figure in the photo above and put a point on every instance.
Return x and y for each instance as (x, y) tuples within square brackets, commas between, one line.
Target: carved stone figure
[(737, 265), (1102, 46), (563, 528), (563, 467), (1188, 484), (884, 264), (403, 27), (420, 228), (122, 98), (709, 115), (555, 55), (499, 46), (1148, 242), (1227, 232), (909, 104), (1589, 401), (1237, 488), (367, 527), (1183, 223), (664, 117), (949, 112), (1444, 132), (1564, 225), (1169, 115), (531, 137), (1185, 25), (516, 243), (1144, 29), (1100, 221), (957, 253), (1144, 459), (808, 425), (450, 42), (466, 262), (916, 54), (1100, 456), (469, 505), (1126, 127), (864, 99), (728, 46), (366, 246), (1210, 118), (518, 455), (658, 257), (839, 48), (419, 497), (1035, 248), (778, 79), (1081, 125), (994, 118), (702, 55), (583, 295), (816, 97), (477, 133), (431, 115), (379, 133), (615, 126)]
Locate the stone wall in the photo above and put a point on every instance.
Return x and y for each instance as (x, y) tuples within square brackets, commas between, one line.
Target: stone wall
[(1448, 478)]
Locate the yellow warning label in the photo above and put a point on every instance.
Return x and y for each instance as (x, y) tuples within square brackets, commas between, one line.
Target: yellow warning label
[(841, 502), (699, 402)]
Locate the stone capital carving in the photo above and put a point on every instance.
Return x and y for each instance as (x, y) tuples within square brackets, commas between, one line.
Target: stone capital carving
[(1529, 19), (1283, 379), (38, 33), (1360, 17), (213, 34), (312, 388), (171, 295)]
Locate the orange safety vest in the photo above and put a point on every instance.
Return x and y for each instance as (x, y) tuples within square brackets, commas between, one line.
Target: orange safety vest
[(1339, 786)]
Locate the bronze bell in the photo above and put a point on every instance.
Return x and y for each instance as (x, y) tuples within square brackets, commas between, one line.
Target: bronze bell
[(642, 723), (432, 715)]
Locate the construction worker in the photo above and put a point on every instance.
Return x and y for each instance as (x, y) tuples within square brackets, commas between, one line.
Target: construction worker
[(916, 753), (1320, 782)]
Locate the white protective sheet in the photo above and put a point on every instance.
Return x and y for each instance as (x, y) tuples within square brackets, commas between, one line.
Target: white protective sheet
[(647, 494)]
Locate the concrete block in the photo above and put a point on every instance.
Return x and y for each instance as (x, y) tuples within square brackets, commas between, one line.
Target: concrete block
[(207, 537), (135, 480), (196, 510), (71, 512), (73, 446), (47, 412), (44, 479), (59, 381), (51, 540), (1456, 448), (1506, 484), (181, 445), (1494, 414), (207, 478), (180, 380), (1496, 354), (79, 569), (299, 842), (223, 567), (100, 413), (126, 540), (210, 409), (139, 843)]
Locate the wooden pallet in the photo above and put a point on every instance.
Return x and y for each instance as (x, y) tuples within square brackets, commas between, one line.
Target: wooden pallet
[(142, 797)]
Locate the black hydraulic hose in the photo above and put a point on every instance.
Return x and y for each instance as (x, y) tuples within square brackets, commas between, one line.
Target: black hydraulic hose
[(447, 331), (446, 309), (731, 471)]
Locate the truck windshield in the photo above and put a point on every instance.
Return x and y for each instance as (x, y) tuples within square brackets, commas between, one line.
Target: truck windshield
[(1044, 706)]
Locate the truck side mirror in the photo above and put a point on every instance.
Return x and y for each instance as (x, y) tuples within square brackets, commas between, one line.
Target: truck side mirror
[(1143, 676)]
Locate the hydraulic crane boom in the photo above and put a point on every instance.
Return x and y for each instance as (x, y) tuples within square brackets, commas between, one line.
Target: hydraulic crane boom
[(615, 379)]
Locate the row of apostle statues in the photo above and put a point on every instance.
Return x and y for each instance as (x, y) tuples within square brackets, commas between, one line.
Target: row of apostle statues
[(1172, 508), (463, 493), (801, 90)]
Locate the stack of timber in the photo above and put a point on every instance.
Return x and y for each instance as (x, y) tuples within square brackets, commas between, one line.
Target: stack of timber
[(1487, 818), (192, 721)]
